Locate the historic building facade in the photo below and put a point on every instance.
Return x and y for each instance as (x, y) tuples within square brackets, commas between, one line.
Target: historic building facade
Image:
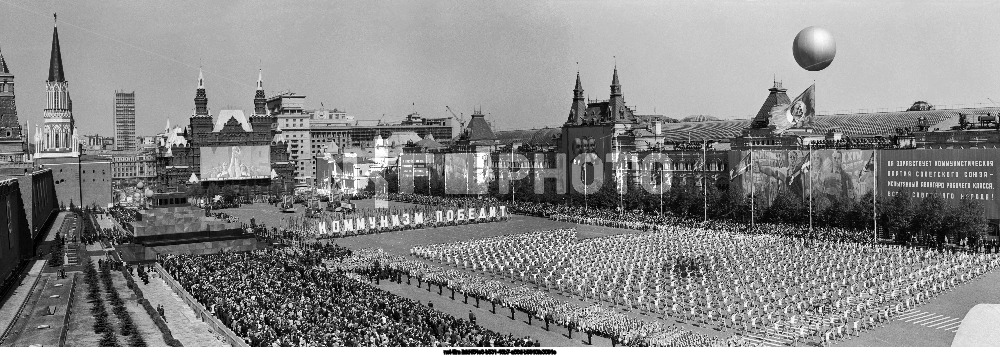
[(179, 158), (13, 148), (309, 132), (80, 180)]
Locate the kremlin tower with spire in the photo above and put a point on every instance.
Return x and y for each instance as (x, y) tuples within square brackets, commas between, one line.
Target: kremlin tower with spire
[(58, 133), (13, 148), (80, 180)]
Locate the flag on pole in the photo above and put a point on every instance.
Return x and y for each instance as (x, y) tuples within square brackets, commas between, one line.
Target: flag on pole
[(805, 166), (797, 113), (870, 166), (700, 165), (742, 167)]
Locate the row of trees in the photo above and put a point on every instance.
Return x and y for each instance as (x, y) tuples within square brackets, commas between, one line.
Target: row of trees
[(933, 219), (927, 220), (903, 217)]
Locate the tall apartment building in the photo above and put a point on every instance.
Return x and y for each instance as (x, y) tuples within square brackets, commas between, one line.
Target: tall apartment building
[(124, 121), (291, 120)]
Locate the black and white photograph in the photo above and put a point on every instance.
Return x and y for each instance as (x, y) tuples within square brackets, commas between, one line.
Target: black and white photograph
[(449, 177)]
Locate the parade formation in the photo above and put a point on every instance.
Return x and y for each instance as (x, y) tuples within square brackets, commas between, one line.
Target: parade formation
[(521, 228)]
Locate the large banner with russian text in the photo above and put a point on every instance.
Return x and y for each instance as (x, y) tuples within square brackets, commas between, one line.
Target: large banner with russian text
[(950, 173), (399, 220)]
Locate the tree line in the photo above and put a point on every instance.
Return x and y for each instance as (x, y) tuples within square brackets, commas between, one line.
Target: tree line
[(929, 220)]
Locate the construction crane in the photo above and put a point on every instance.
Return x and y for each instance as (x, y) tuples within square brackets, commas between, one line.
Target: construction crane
[(460, 121)]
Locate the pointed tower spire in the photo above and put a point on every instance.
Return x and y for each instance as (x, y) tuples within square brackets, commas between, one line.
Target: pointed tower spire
[(616, 88), (9, 124), (579, 107), (259, 102), (200, 98), (55, 62), (616, 103), (578, 91), (3, 64)]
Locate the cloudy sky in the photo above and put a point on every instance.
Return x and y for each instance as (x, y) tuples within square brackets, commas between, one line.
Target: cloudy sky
[(517, 60)]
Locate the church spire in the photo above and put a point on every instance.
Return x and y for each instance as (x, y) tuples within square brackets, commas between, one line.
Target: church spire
[(201, 79), (260, 79), (55, 61)]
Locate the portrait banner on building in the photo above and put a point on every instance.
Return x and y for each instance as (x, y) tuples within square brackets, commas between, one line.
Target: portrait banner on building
[(467, 173), (830, 174), (235, 163)]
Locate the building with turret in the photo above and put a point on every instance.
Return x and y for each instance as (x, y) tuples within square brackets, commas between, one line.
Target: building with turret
[(228, 149), (80, 180), (13, 147), (477, 136), (598, 128)]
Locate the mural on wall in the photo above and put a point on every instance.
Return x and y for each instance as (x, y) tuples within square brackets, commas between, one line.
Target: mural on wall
[(831, 174)]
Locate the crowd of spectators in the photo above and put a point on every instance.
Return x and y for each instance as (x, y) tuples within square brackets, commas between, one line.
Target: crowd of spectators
[(285, 297), (228, 218), (124, 216)]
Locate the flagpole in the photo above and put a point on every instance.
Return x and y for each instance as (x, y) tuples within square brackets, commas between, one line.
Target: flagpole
[(704, 182), (752, 188), (874, 195), (618, 175), (810, 188), (510, 175)]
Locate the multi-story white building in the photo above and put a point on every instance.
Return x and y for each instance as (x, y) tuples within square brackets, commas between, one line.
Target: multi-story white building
[(292, 120), (130, 167)]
